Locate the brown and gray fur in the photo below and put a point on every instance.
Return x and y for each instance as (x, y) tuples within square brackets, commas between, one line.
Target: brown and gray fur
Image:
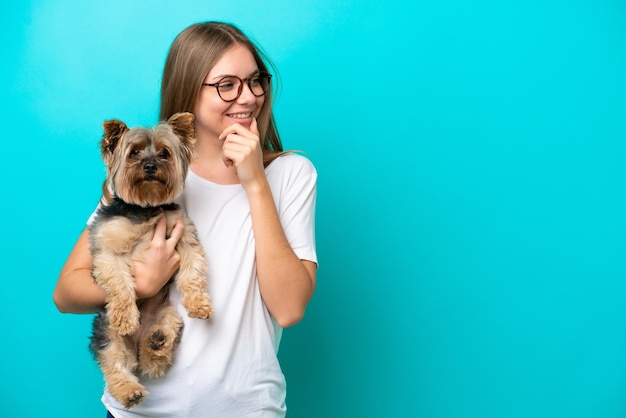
[(146, 170)]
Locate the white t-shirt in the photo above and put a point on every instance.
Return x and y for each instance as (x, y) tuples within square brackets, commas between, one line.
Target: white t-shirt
[(227, 366)]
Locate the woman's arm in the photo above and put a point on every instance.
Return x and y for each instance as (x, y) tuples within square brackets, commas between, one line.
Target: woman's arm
[(286, 282), (76, 291)]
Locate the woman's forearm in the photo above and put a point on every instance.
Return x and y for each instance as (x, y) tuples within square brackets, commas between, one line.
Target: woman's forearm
[(76, 291), (286, 282)]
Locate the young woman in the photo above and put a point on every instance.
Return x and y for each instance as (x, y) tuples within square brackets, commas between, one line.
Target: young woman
[(253, 206)]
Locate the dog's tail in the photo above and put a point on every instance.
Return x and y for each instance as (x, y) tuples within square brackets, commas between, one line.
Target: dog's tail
[(99, 339)]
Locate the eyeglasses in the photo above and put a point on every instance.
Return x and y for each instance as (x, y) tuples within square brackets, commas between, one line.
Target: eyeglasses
[(230, 88)]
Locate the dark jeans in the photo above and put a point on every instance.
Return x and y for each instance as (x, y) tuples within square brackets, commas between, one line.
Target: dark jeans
[(109, 415)]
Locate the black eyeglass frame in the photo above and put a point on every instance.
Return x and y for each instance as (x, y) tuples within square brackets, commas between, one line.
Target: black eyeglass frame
[(241, 81)]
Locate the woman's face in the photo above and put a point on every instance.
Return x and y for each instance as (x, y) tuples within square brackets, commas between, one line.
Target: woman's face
[(213, 114)]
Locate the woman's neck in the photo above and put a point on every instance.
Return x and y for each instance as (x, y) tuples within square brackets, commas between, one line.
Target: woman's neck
[(209, 162)]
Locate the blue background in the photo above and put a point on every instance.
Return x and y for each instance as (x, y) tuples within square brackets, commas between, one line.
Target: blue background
[(471, 210)]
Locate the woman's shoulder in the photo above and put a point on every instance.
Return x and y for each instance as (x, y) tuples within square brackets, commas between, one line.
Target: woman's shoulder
[(291, 168), (292, 161)]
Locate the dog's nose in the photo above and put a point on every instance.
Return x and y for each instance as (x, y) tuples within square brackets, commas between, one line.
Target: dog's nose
[(149, 168)]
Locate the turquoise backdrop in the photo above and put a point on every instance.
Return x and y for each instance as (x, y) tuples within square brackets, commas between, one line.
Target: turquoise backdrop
[(471, 210)]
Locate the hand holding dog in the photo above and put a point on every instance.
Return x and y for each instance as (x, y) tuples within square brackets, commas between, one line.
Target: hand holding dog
[(159, 262), (242, 148)]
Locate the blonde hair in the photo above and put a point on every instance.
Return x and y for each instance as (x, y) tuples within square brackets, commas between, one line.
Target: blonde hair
[(192, 55)]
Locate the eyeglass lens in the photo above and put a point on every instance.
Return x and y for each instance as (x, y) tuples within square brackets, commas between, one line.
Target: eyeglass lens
[(230, 88)]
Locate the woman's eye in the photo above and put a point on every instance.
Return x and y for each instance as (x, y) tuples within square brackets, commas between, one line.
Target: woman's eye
[(226, 85)]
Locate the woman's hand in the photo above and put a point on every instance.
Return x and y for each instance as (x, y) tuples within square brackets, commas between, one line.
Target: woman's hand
[(242, 148), (155, 266)]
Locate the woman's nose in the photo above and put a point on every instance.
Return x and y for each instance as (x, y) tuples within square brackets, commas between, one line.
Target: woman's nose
[(246, 95)]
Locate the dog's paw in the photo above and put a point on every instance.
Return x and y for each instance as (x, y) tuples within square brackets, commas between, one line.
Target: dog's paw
[(156, 340), (204, 313), (159, 341), (198, 305), (128, 393), (155, 354), (201, 308), (135, 398)]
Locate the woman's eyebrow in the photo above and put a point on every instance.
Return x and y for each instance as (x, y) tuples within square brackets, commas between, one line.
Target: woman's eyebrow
[(217, 77)]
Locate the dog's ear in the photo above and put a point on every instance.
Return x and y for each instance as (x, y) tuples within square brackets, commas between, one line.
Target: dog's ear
[(113, 131), (182, 124)]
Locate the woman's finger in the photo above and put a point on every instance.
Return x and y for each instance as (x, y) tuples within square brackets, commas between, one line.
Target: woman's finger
[(254, 128), (160, 230), (240, 130), (177, 233)]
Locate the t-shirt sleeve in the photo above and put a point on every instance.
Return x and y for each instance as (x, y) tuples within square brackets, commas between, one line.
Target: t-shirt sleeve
[(91, 218), (295, 194), (93, 214)]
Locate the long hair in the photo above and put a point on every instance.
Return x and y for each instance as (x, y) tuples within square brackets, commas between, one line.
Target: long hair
[(192, 55)]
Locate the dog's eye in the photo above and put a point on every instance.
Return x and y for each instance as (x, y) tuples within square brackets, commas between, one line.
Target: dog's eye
[(134, 152), (165, 154)]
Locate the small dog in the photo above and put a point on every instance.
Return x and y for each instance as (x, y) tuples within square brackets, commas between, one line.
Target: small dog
[(146, 170)]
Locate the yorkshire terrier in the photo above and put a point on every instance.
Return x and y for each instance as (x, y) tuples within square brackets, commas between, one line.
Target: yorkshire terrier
[(146, 170)]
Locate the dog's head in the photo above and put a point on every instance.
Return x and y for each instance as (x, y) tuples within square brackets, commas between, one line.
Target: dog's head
[(147, 167)]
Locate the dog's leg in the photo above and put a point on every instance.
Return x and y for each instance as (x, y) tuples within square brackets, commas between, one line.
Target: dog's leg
[(157, 346), (117, 361), (191, 278), (113, 274)]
